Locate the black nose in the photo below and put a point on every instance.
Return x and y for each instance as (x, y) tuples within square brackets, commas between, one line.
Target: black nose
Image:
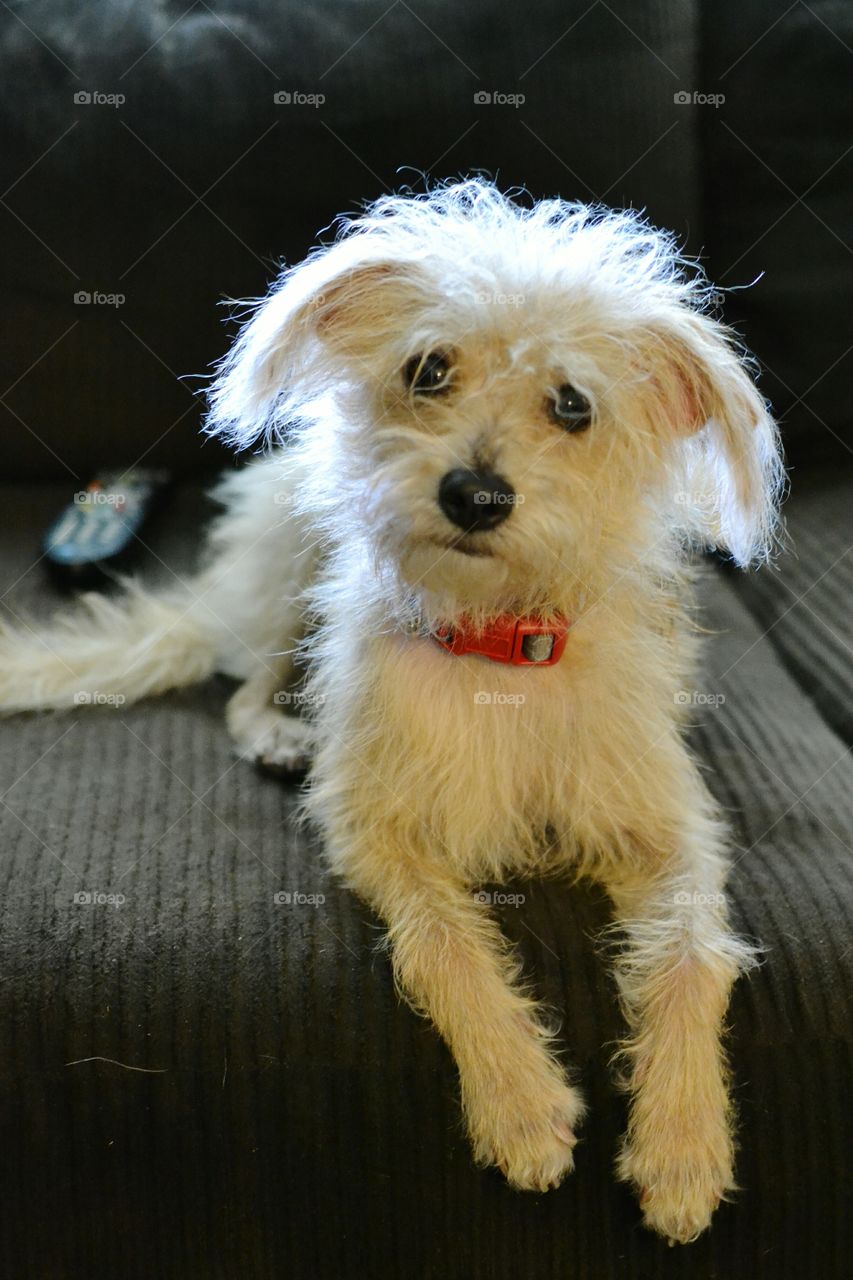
[(475, 500)]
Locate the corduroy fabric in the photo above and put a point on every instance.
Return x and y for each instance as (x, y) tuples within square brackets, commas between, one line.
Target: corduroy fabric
[(286, 1115), (804, 606)]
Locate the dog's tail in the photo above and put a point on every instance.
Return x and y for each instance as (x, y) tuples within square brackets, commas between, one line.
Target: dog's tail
[(107, 649)]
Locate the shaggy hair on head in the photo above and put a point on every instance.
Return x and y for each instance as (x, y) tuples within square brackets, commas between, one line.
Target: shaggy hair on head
[(603, 287)]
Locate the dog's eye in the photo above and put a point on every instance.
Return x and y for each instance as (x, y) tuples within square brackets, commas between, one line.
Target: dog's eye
[(426, 375), (570, 409)]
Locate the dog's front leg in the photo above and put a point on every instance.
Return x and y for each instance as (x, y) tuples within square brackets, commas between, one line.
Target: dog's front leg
[(453, 964), (676, 964)]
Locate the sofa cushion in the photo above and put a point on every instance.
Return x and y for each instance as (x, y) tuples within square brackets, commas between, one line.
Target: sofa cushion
[(200, 1080), (804, 604)]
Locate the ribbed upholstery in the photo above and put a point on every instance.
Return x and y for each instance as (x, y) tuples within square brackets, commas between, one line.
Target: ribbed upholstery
[(805, 605), (292, 1119)]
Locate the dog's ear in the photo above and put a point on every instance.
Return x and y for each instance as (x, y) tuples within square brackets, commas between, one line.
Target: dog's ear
[(731, 471), (338, 303)]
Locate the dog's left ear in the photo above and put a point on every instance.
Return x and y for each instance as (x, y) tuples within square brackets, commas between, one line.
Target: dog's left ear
[(733, 474), (336, 304)]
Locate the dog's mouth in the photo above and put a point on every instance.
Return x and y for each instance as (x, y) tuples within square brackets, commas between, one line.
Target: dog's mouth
[(464, 544), (434, 562)]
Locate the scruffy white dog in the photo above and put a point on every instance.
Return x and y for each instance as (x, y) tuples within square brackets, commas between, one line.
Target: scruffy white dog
[(505, 428)]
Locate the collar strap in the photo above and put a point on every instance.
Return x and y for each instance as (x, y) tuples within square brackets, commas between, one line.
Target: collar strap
[(519, 642)]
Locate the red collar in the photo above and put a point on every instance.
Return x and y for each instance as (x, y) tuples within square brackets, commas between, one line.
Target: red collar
[(520, 642)]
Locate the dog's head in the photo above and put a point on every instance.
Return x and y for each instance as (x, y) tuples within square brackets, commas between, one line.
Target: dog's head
[(519, 404)]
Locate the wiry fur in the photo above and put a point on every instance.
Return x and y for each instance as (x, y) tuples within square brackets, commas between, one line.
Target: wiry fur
[(421, 789)]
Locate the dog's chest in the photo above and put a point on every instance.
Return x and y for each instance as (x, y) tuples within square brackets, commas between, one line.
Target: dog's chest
[(463, 687), (489, 725), (480, 754)]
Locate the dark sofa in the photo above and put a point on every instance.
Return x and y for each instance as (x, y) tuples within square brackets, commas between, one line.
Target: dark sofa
[(201, 1082)]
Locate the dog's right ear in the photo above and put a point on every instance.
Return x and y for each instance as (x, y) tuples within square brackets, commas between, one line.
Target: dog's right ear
[(335, 304)]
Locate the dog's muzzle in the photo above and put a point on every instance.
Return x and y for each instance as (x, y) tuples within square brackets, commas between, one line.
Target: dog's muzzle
[(475, 501)]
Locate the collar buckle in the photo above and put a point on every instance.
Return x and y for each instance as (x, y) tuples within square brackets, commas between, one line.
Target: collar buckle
[(518, 642)]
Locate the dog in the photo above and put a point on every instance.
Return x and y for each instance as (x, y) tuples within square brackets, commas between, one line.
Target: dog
[(499, 431)]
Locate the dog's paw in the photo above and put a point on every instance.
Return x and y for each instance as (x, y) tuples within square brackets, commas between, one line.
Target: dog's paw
[(527, 1129), (279, 743), (679, 1186)]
